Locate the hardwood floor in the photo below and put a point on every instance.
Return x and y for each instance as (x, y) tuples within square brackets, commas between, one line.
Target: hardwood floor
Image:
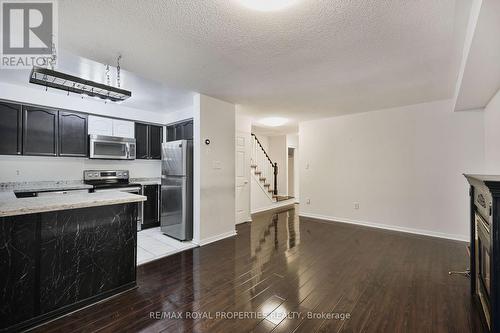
[(289, 268)]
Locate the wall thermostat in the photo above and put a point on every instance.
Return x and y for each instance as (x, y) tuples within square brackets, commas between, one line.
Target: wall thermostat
[(207, 141)]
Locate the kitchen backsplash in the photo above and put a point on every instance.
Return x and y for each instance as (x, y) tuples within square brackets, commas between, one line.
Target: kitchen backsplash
[(36, 168)]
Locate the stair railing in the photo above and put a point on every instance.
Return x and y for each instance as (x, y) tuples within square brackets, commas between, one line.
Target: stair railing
[(265, 165)]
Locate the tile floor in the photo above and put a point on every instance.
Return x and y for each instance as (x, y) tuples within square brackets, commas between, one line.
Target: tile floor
[(152, 245)]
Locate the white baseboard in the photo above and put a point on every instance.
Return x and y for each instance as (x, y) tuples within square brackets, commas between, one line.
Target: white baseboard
[(387, 227), (215, 238), (278, 204)]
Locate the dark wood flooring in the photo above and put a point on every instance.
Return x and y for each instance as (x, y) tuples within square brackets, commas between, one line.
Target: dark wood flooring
[(290, 268)]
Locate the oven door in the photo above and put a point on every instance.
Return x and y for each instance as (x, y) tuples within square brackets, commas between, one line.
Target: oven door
[(483, 280)]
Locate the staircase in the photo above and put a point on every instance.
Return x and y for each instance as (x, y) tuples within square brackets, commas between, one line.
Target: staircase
[(264, 169)]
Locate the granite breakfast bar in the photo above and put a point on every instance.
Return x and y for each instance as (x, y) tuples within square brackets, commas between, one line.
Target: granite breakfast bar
[(58, 254)]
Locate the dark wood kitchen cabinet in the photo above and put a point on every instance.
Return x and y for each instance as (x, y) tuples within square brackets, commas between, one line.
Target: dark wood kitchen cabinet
[(148, 141), (141, 138), (151, 208), (155, 140), (180, 131), (72, 134), (40, 131), (11, 118)]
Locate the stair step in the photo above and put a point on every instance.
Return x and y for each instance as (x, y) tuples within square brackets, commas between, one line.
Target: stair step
[(270, 190), (258, 172), (267, 185), (281, 197), (253, 166)]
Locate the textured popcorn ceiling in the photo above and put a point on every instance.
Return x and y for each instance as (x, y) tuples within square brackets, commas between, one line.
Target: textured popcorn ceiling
[(316, 58)]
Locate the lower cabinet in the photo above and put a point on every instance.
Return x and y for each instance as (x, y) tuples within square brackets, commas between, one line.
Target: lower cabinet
[(52, 263), (151, 208)]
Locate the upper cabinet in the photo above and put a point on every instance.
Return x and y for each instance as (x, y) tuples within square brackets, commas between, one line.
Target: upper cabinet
[(100, 125), (111, 127), (40, 130), (11, 118), (72, 134), (155, 140), (35, 130), (123, 128), (148, 141), (141, 141), (180, 131)]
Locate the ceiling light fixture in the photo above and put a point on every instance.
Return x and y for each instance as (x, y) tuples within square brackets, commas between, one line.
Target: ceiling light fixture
[(267, 5), (273, 121)]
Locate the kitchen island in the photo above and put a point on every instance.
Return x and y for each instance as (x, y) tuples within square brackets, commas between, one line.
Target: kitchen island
[(58, 254)]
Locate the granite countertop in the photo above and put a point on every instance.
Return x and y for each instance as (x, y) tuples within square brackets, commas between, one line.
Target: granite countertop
[(146, 181), (10, 205), (44, 186)]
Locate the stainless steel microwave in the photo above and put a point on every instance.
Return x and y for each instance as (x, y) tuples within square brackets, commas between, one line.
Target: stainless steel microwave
[(111, 147)]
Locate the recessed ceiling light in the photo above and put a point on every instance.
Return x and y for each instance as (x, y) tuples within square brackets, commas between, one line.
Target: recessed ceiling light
[(267, 5), (273, 121)]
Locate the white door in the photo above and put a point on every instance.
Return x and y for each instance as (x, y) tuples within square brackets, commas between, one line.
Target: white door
[(242, 177)]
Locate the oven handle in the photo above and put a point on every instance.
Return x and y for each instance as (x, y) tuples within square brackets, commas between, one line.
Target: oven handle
[(135, 190)]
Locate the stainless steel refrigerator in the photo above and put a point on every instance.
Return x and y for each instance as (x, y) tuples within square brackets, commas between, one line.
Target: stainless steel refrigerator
[(177, 189)]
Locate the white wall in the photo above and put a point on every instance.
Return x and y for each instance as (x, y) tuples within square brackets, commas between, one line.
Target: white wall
[(403, 166), (278, 151), (214, 169), (38, 168), (492, 135)]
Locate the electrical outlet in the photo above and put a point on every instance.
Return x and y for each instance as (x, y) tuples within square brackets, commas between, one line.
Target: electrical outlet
[(308, 201), (356, 205)]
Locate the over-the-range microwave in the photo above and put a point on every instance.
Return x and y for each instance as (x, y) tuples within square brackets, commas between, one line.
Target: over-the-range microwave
[(111, 147)]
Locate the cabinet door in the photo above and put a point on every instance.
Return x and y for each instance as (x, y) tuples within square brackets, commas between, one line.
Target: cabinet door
[(155, 140), (72, 134), (141, 138), (178, 132), (170, 133), (100, 125), (123, 128), (10, 129), (187, 130), (151, 214), (40, 131)]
